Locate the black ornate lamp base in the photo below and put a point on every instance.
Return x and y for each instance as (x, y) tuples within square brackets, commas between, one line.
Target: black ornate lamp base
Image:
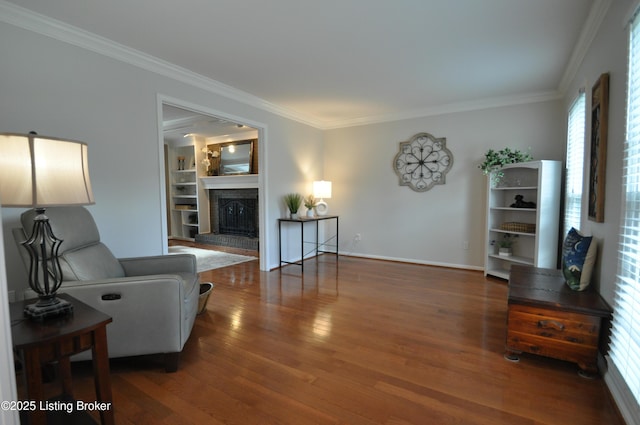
[(49, 307)]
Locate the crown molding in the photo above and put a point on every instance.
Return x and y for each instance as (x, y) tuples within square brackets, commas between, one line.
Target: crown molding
[(451, 108), (44, 25), (589, 31), (49, 27)]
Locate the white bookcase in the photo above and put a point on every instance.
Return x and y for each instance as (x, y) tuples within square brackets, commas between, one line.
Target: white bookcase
[(188, 206), (534, 230)]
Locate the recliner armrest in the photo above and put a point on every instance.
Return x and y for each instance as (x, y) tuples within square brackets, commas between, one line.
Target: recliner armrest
[(160, 264), (105, 286), (151, 314)]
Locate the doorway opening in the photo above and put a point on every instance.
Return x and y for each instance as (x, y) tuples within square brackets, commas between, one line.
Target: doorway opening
[(205, 155)]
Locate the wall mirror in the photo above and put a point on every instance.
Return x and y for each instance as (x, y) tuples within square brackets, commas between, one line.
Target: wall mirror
[(235, 157)]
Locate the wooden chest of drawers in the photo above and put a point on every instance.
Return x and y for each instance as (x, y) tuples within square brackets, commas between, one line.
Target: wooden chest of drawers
[(547, 318)]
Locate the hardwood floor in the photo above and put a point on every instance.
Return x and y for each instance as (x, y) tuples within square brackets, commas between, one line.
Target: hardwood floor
[(360, 342)]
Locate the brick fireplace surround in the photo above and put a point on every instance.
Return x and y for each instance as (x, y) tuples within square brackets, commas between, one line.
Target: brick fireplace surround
[(234, 219)]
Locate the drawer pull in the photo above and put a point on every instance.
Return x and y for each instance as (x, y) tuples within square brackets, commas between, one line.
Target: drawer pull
[(551, 324)]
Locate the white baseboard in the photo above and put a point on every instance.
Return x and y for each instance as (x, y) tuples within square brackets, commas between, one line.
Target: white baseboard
[(414, 261), (399, 260)]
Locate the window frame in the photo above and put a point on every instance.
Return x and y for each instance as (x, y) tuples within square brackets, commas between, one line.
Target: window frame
[(574, 162)]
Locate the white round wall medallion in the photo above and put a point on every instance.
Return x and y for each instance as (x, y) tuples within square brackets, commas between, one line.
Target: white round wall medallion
[(422, 162)]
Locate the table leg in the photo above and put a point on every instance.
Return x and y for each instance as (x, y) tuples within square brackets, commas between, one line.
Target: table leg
[(302, 247), (64, 368), (588, 370), (317, 238), (280, 245), (337, 238), (101, 374), (35, 391), (512, 356)]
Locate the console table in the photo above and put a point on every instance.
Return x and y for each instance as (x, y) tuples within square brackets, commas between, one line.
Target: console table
[(301, 221), (548, 318), (56, 339)]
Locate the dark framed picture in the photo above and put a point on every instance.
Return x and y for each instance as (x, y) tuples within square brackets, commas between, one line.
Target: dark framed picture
[(598, 156)]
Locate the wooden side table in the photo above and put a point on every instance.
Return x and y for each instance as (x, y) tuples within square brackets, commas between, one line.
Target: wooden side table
[(548, 318), (56, 339)]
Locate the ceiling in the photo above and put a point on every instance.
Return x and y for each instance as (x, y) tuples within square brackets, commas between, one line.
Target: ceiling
[(335, 63), (179, 123)]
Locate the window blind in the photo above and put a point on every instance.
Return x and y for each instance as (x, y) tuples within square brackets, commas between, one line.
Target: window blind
[(574, 163), (625, 338)]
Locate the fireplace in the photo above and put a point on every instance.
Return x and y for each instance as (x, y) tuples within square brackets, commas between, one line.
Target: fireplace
[(234, 212), (237, 217)]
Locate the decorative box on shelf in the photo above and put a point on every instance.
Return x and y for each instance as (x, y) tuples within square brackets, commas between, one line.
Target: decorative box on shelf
[(519, 227)]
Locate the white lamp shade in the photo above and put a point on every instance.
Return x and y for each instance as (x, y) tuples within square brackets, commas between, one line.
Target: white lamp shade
[(40, 171), (322, 189)]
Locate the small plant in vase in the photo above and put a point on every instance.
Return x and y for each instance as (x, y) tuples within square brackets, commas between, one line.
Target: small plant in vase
[(310, 203), (505, 245), (293, 202), (494, 160)]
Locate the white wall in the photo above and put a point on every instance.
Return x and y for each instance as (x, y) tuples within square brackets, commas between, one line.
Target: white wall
[(61, 90), (607, 53), (8, 391), (431, 227)]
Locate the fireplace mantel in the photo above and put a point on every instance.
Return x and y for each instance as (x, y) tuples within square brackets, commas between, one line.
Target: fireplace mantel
[(246, 181)]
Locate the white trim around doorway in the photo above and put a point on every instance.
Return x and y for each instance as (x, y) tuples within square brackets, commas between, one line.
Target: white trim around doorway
[(262, 160)]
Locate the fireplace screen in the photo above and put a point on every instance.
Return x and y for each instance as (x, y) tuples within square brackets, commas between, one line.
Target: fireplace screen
[(237, 217)]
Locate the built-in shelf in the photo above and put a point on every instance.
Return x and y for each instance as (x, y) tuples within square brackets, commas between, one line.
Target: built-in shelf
[(186, 195), (510, 232), (512, 209)]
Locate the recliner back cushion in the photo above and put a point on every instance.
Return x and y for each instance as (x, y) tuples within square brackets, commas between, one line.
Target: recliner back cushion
[(74, 225), (91, 263), (82, 255)]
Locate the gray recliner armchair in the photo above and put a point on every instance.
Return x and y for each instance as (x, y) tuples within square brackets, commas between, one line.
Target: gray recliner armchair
[(153, 300)]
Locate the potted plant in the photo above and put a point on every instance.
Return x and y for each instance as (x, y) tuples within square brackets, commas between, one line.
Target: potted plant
[(310, 203), (494, 160), (505, 245), (293, 202)]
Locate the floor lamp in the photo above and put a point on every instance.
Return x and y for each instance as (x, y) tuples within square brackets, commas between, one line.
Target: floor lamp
[(39, 172)]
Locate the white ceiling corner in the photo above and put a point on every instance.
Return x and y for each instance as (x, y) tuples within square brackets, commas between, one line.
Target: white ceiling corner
[(334, 64), (590, 28)]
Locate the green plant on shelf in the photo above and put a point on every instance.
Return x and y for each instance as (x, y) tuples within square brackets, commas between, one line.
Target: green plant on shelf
[(495, 160), (507, 241)]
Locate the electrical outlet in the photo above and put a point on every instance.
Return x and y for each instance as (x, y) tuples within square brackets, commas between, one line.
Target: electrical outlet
[(465, 245), (357, 237), (12, 296)]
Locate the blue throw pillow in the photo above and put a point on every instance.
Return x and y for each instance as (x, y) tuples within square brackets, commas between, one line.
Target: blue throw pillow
[(578, 258)]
